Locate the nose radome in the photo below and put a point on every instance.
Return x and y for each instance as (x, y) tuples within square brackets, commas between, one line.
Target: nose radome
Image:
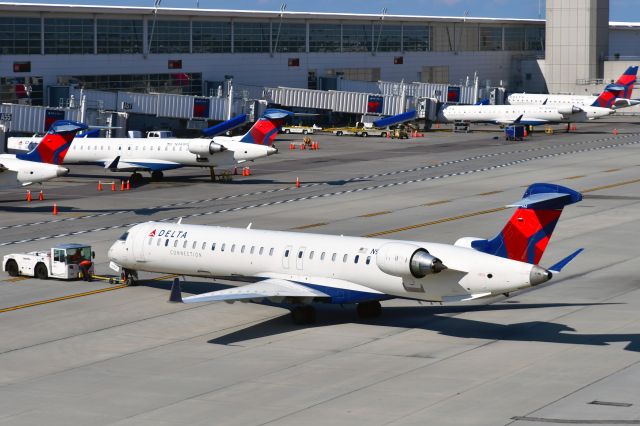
[(539, 275)]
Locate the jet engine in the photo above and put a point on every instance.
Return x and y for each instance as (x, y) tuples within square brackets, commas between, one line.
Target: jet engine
[(404, 259), (568, 109), (40, 173), (204, 147)]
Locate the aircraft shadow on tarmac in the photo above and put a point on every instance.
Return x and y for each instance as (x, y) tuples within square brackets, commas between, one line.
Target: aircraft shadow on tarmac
[(429, 318)]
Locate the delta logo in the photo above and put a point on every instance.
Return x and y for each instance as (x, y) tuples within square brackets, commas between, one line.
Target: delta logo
[(168, 233), (152, 233)]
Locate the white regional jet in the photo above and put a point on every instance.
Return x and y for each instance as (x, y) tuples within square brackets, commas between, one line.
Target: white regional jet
[(617, 95), (300, 268), (157, 155), (532, 115), (43, 162)]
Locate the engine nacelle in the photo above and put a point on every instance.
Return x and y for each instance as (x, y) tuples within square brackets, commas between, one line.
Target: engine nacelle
[(568, 109), (40, 172), (204, 147), (404, 260)]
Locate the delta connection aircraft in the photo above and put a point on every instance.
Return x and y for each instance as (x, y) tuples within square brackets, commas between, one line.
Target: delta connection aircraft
[(301, 268), (158, 155), (43, 162), (532, 115), (616, 95)]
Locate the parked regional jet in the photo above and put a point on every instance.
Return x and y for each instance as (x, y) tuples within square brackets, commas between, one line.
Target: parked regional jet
[(616, 95), (43, 162), (157, 155), (301, 268), (532, 115)]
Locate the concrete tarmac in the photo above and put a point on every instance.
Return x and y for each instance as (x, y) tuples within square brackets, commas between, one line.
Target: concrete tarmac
[(562, 353)]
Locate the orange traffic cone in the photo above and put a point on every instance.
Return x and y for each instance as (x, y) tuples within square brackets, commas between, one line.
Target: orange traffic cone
[(55, 209), (121, 185), (317, 146), (113, 186), (99, 185), (297, 183), (41, 196), (615, 132), (574, 127), (28, 195), (292, 146), (128, 185)]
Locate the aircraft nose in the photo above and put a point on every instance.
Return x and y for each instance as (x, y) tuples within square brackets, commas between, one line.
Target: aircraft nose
[(114, 251), (539, 275), (62, 171)]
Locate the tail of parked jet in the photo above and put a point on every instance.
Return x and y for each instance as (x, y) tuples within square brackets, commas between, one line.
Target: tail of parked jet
[(526, 235), (55, 144), (627, 80), (265, 130), (621, 89)]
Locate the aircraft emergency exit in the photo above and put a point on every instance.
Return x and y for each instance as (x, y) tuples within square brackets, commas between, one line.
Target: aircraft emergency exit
[(301, 268), (43, 162)]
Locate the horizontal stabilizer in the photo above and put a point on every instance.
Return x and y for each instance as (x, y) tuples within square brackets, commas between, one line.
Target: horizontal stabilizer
[(269, 288), (543, 196), (564, 262)]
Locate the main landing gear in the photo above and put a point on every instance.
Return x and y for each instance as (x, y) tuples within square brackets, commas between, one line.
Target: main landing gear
[(371, 309), (305, 314), (135, 179), (157, 175)]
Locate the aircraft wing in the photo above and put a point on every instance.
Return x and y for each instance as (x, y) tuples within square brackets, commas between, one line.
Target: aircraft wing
[(120, 164), (270, 288)]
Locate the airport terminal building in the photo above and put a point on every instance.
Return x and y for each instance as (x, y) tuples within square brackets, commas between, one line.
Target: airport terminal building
[(192, 52)]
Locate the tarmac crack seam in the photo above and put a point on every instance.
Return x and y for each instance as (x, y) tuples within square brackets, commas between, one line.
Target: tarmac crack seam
[(355, 179)]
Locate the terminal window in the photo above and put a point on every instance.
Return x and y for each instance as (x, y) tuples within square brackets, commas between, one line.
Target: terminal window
[(21, 90), (177, 82), (324, 38), (251, 37), (490, 38), (357, 38), (20, 36), (388, 38), (169, 36), (211, 37), (289, 37), (68, 36), (121, 36), (416, 38)]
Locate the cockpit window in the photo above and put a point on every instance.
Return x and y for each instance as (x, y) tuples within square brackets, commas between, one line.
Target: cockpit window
[(123, 237)]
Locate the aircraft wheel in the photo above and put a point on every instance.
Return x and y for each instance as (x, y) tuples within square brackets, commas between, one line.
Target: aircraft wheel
[(287, 131), (157, 175), (338, 133), (301, 315), (41, 272), (365, 134), (136, 179), (12, 268), (369, 309)]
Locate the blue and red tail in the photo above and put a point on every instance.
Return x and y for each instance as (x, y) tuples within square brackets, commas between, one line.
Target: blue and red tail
[(623, 88), (627, 80), (55, 144), (265, 130), (526, 235)]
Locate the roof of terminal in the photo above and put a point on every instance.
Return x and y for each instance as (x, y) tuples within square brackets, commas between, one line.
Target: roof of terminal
[(128, 10)]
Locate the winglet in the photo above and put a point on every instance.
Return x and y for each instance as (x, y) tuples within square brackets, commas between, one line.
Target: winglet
[(176, 292), (558, 266)]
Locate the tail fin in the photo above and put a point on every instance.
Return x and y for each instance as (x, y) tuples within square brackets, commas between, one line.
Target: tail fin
[(265, 130), (55, 144), (627, 80), (526, 235)]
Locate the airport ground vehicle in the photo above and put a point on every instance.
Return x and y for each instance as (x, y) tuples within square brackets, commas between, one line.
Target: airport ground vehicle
[(361, 129), (62, 261), (514, 133), (300, 129)]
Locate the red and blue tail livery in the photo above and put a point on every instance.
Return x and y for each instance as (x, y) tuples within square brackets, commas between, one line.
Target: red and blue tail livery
[(623, 88), (265, 130), (526, 235), (55, 144)]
